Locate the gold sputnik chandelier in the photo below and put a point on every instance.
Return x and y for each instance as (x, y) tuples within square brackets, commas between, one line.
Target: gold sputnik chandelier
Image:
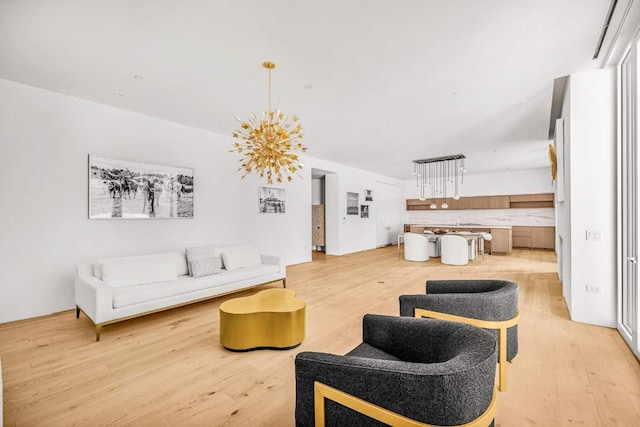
[(266, 144)]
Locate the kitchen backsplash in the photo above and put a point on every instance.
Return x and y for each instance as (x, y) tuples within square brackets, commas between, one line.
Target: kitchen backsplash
[(524, 217)]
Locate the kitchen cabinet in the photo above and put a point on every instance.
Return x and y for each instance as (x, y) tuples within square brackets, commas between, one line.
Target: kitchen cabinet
[(463, 203), (543, 237), (498, 202), (534, 237), (501, 240), (425, 205), (476, 203), (521, 237), (544, 200)]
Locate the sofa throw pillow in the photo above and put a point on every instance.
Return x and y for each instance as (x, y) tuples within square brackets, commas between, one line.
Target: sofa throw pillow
[(122, 272), (239, 258), (203, 261), (206, 266), (220, 250)]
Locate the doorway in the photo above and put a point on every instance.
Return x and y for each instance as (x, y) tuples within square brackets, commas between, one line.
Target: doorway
[(389, 209), (318, 222), (324, 193)]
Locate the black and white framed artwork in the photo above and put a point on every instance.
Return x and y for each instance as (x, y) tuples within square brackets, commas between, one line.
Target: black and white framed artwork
[(352, 203), (125, 189), (368, 195), (272, 200)]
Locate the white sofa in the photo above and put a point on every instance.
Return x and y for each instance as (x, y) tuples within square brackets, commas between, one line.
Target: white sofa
[(116, 289)]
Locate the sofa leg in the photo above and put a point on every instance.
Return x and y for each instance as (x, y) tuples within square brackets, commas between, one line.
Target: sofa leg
[(284, 283), (77, 312), (98, 330)]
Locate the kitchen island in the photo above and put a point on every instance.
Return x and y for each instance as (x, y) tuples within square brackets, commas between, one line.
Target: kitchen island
[(501, 235)]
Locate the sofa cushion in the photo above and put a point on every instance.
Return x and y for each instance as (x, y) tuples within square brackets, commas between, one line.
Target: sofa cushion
[(126, 296), (239, 258), (178, 259), (129, 272), (203, 261)]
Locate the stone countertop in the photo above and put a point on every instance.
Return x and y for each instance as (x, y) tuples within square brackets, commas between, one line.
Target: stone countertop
[(462, 226)]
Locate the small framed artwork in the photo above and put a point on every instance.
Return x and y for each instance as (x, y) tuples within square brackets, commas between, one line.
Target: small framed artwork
[(368, 195), (352, 203), (125, 189), (364, 211), (272, 200)]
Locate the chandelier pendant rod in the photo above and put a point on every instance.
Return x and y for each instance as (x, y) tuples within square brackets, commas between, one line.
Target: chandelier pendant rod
[(269, 110)]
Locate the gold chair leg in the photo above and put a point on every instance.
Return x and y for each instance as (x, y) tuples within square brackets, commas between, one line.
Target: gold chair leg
[(284, 283), (98, 330), (502, 359)]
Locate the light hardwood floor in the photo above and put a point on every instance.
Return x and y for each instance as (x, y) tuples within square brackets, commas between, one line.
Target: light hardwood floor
[(168, 369)]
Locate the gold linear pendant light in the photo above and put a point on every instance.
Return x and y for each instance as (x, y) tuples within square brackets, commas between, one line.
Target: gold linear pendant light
[(266, 144)]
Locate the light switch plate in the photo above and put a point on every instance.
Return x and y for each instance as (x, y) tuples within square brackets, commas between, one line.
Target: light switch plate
[(594, 234), (595, 289)]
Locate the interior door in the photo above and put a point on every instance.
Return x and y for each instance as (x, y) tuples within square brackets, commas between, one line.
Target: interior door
[(628, 207), (389, 209)]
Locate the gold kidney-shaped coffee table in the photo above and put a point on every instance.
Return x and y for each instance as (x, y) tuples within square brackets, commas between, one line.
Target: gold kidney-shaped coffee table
[(273, 318)]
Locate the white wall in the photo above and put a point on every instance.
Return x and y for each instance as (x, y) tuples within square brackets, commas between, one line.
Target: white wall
[(591, 142), (45, 139)]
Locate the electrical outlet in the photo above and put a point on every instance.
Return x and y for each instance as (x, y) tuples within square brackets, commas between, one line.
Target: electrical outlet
[(593, 234), (594, 289)]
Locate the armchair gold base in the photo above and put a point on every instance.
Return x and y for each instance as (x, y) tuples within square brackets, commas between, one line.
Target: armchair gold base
[(500, 325), (323, 391)]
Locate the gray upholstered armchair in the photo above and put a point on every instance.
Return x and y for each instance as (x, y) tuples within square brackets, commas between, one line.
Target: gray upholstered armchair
[(489, 304), (407, 371)]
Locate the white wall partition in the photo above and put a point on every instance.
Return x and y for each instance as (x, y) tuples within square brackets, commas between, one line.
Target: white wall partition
[(563, 209), (587, 218)]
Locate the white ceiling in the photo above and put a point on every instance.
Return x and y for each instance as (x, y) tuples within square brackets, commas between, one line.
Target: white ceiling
[(392, 80)]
